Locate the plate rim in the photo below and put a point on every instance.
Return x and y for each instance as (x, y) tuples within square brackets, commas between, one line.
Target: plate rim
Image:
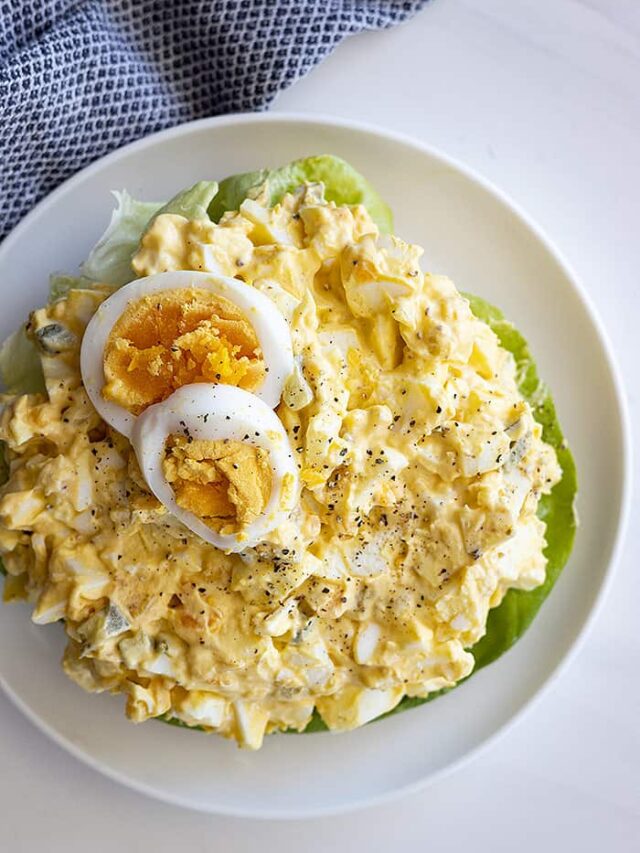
[(471, 174)]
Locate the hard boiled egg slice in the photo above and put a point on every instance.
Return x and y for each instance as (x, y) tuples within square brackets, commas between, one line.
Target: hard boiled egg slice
[(164, 331), (220, 461)]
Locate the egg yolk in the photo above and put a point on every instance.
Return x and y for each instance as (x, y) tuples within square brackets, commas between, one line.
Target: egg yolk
[(227, 484), (174, 338)]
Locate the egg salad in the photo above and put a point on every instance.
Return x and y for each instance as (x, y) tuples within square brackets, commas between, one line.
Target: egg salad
[(282, 475)]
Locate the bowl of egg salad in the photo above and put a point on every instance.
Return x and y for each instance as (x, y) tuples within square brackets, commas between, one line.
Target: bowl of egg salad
[(271, 479)]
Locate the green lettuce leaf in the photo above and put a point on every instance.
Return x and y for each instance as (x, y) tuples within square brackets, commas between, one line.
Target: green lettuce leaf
[(60, 284), (192, 203), (110, 259), (342, 183), (20, 366)]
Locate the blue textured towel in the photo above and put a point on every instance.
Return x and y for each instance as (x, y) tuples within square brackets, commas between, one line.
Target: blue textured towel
[(79, 78)]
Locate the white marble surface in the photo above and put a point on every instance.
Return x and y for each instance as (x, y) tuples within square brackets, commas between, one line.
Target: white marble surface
[(543, 98)]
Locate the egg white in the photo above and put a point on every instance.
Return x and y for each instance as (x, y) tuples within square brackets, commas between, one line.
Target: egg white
[(270, 327), (214, 413)]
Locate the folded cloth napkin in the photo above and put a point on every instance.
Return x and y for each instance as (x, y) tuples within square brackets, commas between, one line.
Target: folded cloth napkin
[(79, 78)]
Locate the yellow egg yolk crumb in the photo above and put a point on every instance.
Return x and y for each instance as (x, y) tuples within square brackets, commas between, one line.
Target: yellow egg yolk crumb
[(174, 338), (225, 483)]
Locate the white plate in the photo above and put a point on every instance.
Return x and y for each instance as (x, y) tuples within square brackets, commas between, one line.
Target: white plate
[(475, 235)]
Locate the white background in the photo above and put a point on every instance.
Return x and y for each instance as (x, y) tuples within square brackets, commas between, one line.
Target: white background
[(543, 98)]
